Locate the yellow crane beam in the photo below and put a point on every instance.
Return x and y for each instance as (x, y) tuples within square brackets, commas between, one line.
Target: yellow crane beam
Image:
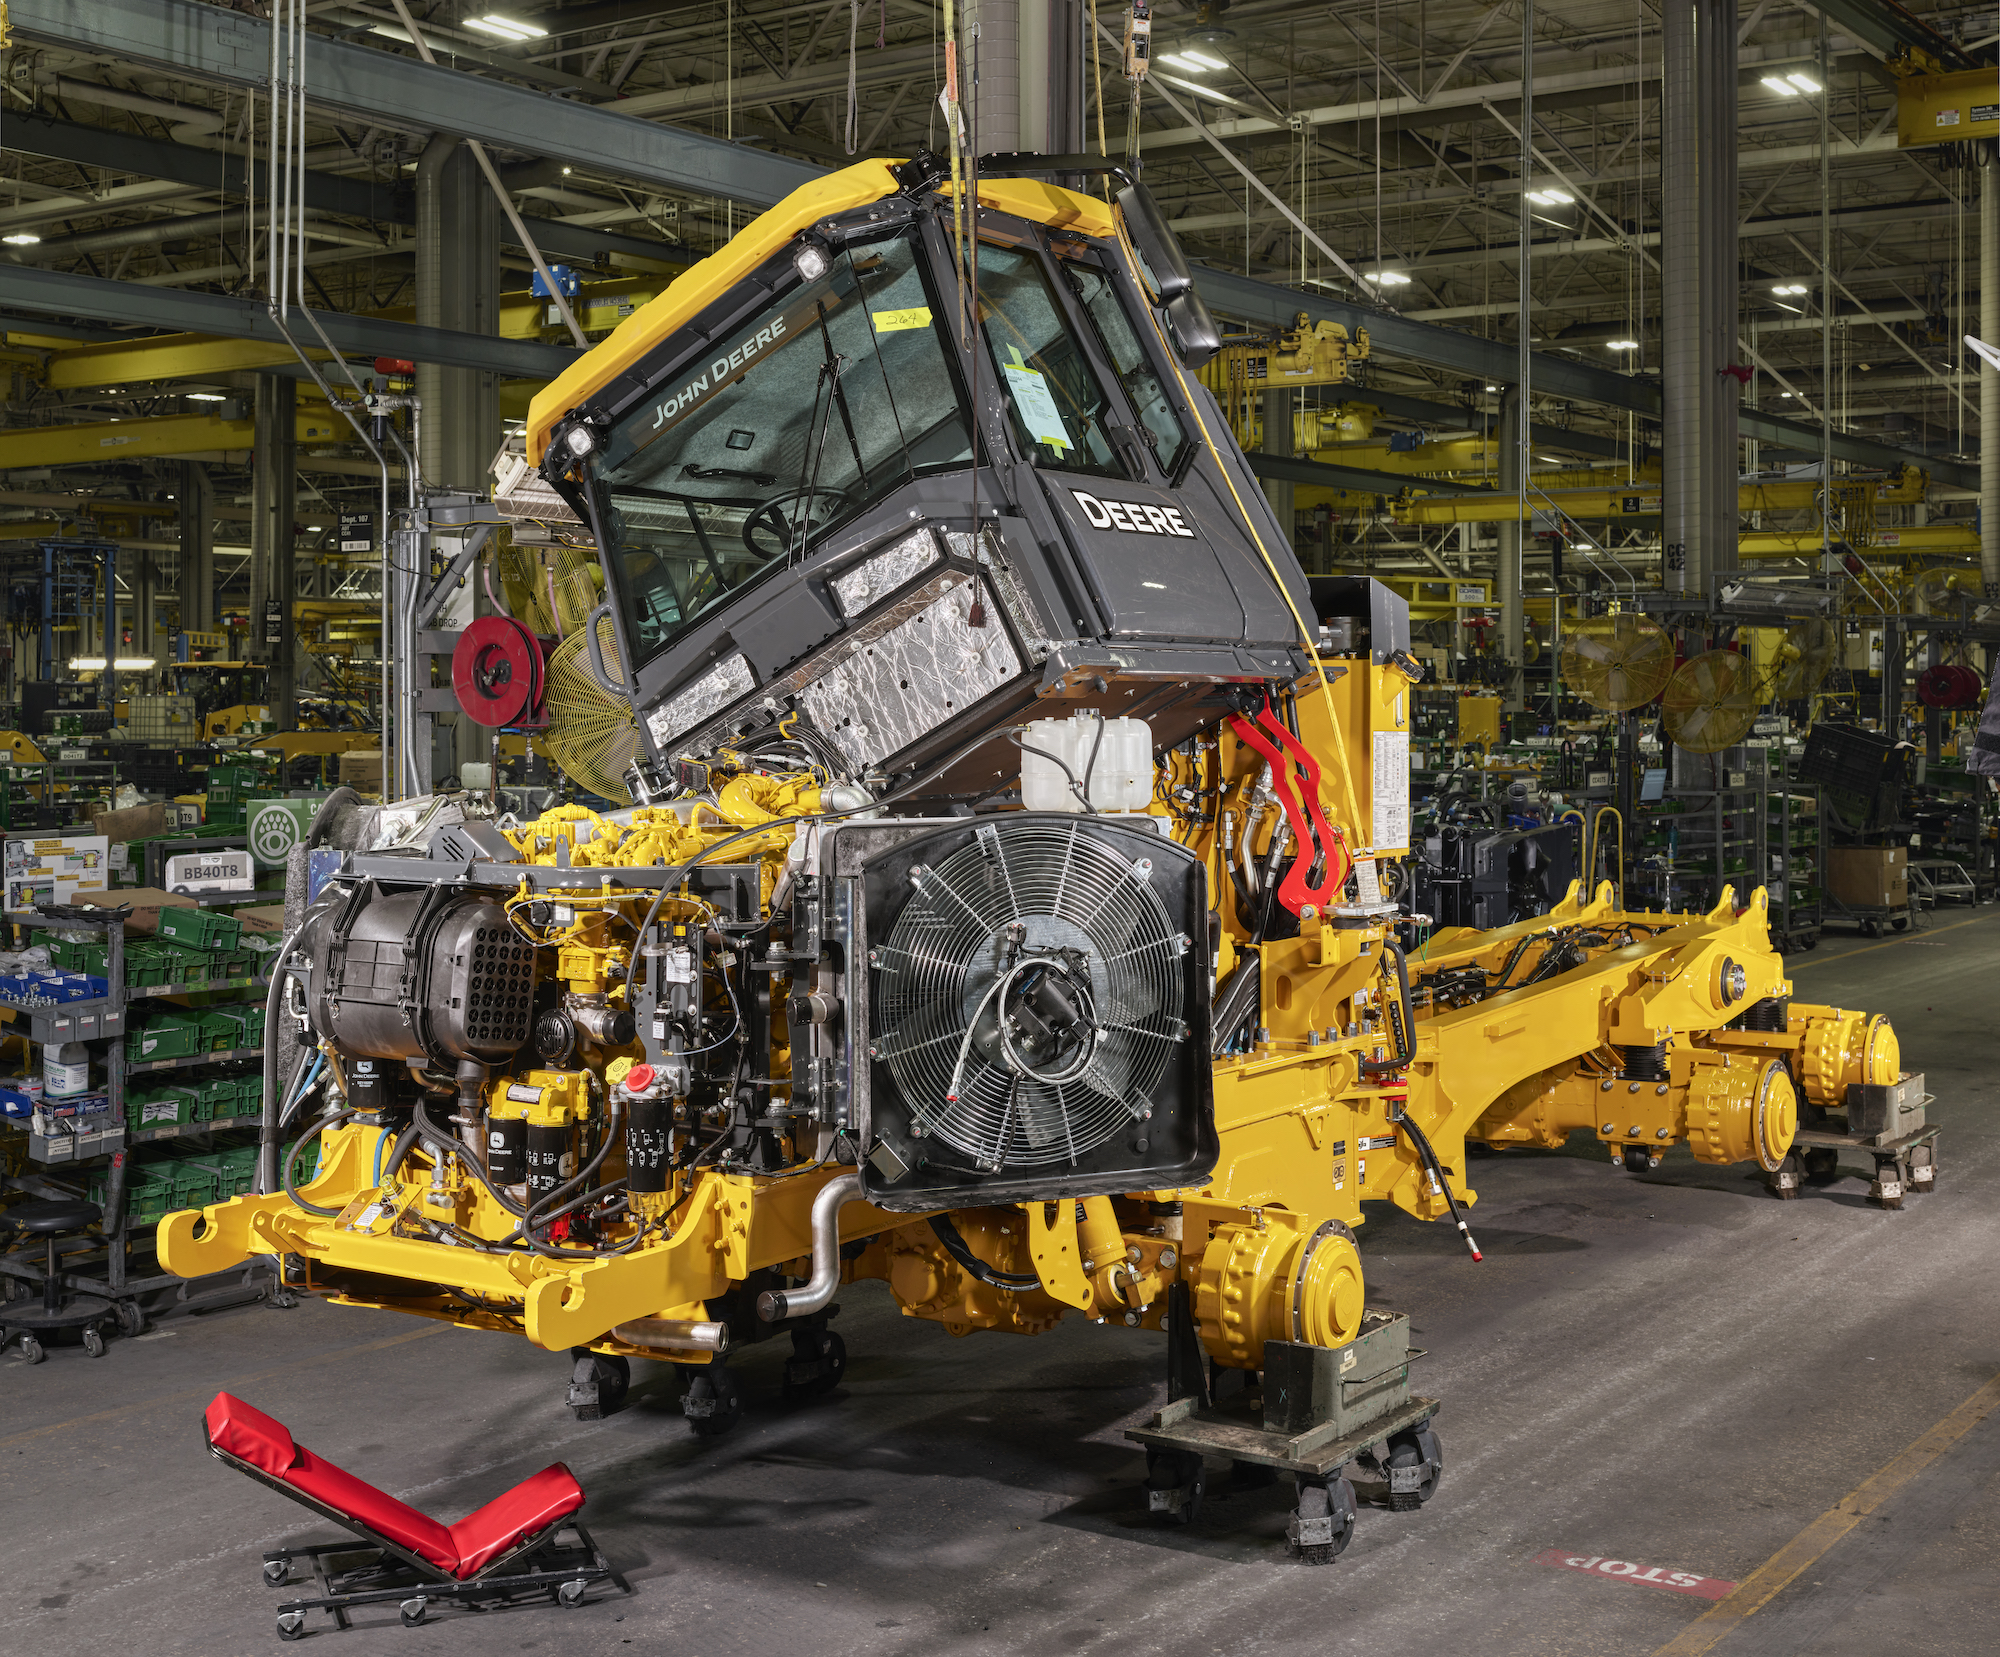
[(600, 307), (1907, 488), (166, 434), (1961, 539)]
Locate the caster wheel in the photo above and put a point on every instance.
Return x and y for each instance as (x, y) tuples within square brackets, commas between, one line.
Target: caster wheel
[(32, 1349), (818, 1361), (1812, 940), (1901, 923), (713, 1402), (292, 1625), (570, 1595), (131, 1318), (597, 1386), (1822, 1162), (277, 1572), (1871, 929), (1637, 1158), (1175, 1480), (413, 1612), (93, 1341), (1323, 1523), (1415, 1462)]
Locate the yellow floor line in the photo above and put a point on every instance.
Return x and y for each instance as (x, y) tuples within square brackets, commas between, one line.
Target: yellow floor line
[(204, 1393), (1757, 1590), (1888, 943)]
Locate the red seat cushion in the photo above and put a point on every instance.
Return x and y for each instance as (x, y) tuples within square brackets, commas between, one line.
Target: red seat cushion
[(250, 1435), (530, 1507), (377, 1509)]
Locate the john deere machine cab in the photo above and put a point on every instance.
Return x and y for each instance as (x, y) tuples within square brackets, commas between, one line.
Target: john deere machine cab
[(828, 493)]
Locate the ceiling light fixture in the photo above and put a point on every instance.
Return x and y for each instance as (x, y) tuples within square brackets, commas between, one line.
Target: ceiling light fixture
[(1791, 287), (1387, 278), (21, 238), (86, 664), (1805, 83), (1621, 345), (1550, 198), (206, 397), (1783, 88), (134, 664), (506, 28)]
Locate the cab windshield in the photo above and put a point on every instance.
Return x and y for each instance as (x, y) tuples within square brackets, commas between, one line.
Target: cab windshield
[(833, 395)]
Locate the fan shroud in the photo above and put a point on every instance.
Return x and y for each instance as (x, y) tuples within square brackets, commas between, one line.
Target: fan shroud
[(1108, 916)]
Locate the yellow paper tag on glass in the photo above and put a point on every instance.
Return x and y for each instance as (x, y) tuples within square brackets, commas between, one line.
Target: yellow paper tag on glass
[(892, 322)]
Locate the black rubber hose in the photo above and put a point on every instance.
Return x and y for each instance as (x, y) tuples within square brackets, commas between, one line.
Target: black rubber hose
[(960, 1250), (285, 1162), (1076, 788), (441, 1142), (580, 1180), (1429, 1158)]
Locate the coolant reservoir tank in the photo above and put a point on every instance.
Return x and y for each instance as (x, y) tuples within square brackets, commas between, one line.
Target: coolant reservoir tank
[(1110, 759)]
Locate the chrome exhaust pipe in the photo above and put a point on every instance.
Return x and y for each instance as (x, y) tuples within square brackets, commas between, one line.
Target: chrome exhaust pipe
[(674, 1335), (775, 1305)]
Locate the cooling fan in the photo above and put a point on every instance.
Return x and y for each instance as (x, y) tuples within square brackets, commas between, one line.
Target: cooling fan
[(592, 735), (1618, 663), (1036, 1010), (550, 589), (1711, 702), (1805, 658)]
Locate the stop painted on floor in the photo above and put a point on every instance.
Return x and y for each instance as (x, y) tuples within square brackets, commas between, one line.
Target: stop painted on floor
[(1626, 1570)]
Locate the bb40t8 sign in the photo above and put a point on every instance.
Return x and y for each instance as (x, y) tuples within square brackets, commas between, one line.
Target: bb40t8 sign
[(1132, 517)]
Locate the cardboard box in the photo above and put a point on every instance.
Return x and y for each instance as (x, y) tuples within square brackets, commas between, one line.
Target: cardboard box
[(139, 822), (362, 769), (1869, 877), (146, 902)]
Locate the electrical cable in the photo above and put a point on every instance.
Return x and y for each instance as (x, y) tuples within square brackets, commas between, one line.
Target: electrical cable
[(960, 1250)]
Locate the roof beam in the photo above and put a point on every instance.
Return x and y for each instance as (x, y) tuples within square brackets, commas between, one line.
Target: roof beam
[(226, 48), (60, 294), (1496, 361), (353, 198), (1359, 480)]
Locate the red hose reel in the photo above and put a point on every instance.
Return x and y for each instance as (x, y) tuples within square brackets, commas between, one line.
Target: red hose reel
[(497, 671), (1949, 686)]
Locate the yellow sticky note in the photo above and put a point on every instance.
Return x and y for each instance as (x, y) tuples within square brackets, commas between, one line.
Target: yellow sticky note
[(891, 322)]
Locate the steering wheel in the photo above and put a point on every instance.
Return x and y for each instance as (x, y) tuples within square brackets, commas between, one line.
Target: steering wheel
[(772, 530)]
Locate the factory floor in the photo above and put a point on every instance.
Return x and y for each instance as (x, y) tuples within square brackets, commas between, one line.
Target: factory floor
[(1667, 1373)]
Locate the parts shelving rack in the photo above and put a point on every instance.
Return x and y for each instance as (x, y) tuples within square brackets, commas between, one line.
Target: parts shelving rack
[(102, 1264)]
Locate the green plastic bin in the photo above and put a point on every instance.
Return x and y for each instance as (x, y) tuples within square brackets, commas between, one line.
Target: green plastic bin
[(239, 1026), (171, 1037), (162, 1106), (200, 928)]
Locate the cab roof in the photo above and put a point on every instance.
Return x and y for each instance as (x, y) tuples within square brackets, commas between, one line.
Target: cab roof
[(760, 240)]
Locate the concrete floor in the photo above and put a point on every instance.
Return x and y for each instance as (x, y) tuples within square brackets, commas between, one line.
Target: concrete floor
[(1672, 1370)]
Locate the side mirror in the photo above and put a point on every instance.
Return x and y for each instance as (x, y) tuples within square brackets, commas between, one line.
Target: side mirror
[(1195, 331), (1157, 244)]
